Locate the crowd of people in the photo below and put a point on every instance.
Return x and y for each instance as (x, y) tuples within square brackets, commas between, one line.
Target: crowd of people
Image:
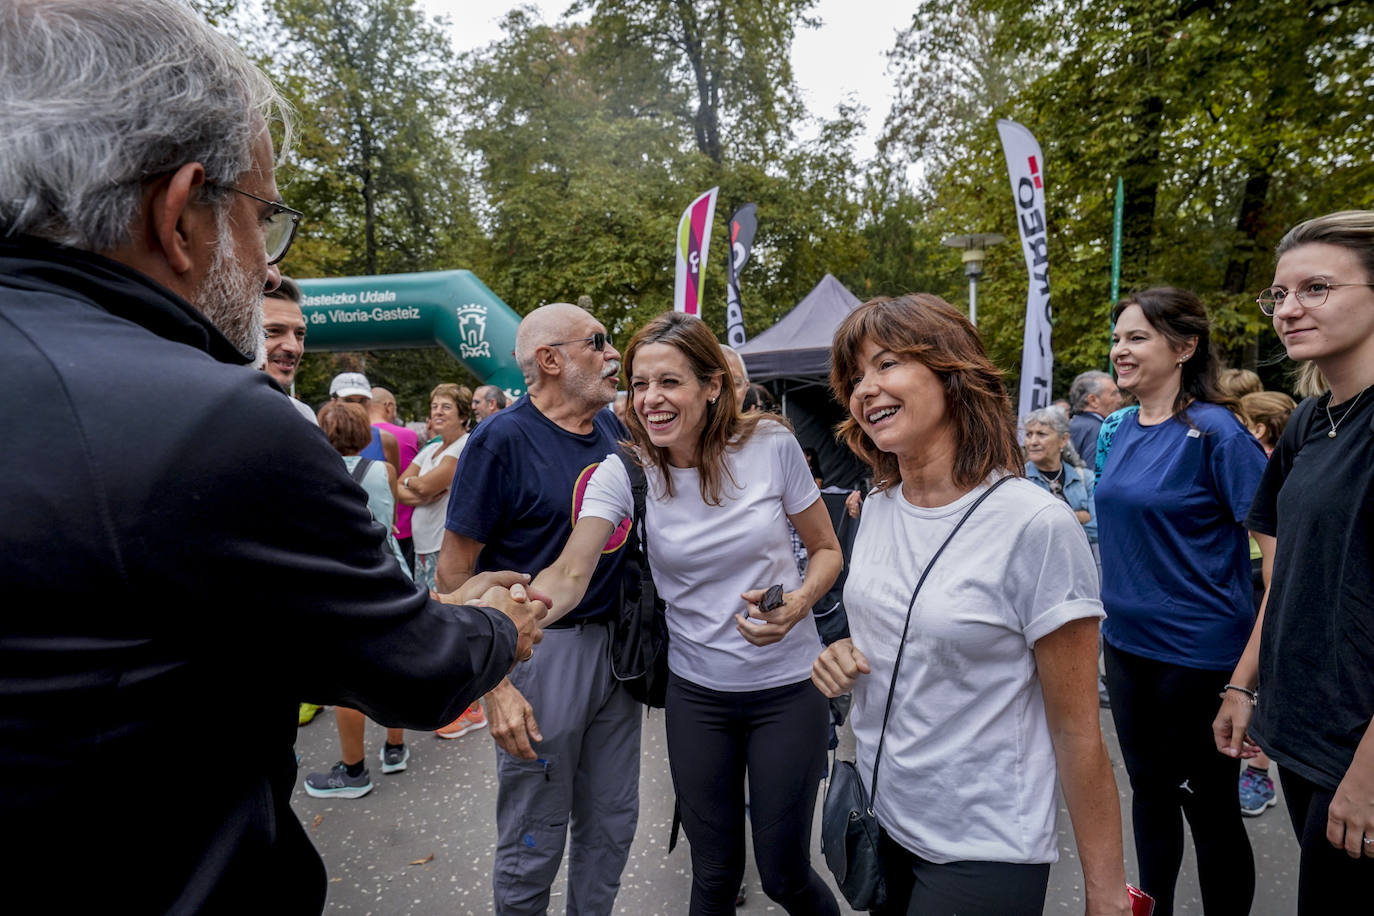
[(181, 537)]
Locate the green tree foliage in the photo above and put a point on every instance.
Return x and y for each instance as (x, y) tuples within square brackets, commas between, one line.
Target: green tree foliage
[(733, 55), (556, 161), (377, 158), (590, 141), (376, 165), (1229, 122)]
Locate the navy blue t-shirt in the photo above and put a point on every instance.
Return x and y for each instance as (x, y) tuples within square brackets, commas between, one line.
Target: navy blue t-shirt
[(518, 489), (1175, 554)]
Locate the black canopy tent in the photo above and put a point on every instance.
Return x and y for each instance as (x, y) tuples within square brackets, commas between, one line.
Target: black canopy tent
[(793, 358)]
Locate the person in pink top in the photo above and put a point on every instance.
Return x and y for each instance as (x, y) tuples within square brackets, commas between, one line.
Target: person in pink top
[(381, 413)]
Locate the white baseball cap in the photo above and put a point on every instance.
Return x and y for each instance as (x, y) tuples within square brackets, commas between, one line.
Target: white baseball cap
[(350, 384)]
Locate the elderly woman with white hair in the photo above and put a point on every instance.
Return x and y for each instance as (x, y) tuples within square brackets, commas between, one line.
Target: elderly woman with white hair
[(1053, 464)]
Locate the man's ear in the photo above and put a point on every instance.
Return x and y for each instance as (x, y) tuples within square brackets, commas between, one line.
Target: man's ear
[(179, 227), (547, 359)]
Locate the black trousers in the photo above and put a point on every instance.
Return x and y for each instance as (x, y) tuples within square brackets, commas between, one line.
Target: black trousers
[(776, 737), (1329, 881), (1163, 717), (916, 887)]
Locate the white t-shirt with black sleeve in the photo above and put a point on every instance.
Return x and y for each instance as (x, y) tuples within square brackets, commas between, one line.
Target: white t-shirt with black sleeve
[(968, 769), (702, 557)]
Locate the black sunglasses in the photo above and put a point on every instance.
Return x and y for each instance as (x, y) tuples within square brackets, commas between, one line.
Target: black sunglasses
[(598, 341)]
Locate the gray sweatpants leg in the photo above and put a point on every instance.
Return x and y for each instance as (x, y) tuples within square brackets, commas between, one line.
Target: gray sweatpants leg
[(587, 771)]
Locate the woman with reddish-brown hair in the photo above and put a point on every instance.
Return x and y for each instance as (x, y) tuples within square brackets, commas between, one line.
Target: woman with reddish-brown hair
[(348, 429), (989, 666)]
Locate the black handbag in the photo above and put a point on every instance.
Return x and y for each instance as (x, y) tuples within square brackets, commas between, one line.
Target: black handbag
[(849, 827)]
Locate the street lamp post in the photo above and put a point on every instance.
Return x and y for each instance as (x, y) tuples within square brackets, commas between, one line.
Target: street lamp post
[(973, 249)]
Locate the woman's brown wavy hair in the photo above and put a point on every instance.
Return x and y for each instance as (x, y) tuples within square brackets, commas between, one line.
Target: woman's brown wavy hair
[(930, 330), (725, 426)]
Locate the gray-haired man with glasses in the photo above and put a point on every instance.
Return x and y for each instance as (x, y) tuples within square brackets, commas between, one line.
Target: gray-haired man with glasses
[(184, 559)]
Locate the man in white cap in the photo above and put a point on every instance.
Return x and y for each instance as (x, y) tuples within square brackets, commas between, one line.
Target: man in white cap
[(354, 388)]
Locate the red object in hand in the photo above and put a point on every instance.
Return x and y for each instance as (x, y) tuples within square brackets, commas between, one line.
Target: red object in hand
[(1142, 904)]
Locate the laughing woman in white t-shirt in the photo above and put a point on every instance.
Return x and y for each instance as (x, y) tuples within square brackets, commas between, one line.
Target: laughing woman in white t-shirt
[(722, 488), (996, 695)]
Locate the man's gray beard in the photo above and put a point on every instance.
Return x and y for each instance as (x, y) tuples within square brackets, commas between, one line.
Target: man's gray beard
[(587, 387), (231, 300)]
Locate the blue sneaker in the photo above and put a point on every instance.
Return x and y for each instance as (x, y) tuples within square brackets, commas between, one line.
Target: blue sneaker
[(338, 784), (1256, 792)]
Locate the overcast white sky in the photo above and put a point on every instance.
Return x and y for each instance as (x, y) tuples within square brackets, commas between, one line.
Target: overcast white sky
[(845, 56)]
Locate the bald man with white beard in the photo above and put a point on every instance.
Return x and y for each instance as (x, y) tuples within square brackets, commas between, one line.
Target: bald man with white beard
[(521, 472)]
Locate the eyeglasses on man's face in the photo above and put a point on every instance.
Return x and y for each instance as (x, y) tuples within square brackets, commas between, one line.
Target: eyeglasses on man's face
[(1310, 294), (281, 224), (597, 340)]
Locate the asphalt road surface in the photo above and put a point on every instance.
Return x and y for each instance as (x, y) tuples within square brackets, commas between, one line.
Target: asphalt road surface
[(421, 842)]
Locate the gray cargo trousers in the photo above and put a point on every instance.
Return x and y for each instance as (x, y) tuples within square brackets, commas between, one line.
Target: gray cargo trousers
[(587, 774)]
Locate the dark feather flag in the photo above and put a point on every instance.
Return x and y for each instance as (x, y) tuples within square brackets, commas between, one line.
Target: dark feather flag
[(742, 226)]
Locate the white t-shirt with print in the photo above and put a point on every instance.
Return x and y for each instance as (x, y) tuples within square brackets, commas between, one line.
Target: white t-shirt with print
[(427, 522), (968, 770), (702, 557)]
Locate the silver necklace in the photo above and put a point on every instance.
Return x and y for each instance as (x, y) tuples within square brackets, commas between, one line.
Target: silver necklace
[(1056, 483), (1348, 410)]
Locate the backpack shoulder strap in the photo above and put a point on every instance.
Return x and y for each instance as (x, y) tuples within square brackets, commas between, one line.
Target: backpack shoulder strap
[(360, 470), (639, 487)]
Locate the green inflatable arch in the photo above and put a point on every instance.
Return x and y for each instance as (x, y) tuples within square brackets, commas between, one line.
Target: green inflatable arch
[(395, 311)]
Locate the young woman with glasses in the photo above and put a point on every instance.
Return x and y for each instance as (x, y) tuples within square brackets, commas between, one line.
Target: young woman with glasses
[(1304, 689), (1176, 483), (722, 488)]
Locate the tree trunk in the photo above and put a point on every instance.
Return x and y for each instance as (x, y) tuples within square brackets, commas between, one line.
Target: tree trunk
[(1141, 174), (707, 121), (1248, 226), (369, 206)]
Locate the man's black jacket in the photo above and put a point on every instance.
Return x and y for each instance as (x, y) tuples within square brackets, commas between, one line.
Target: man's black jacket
[(183, 560)]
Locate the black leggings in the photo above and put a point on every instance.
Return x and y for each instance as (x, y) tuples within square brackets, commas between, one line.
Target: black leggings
[(1163, 716), (916, 887), (778, 736), (1329, 881)]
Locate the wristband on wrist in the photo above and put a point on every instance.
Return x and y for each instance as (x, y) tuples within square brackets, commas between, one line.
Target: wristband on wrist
[(1253, 695)]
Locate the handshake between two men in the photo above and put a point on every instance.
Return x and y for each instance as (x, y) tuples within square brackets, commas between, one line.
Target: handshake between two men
[(511, 594)]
